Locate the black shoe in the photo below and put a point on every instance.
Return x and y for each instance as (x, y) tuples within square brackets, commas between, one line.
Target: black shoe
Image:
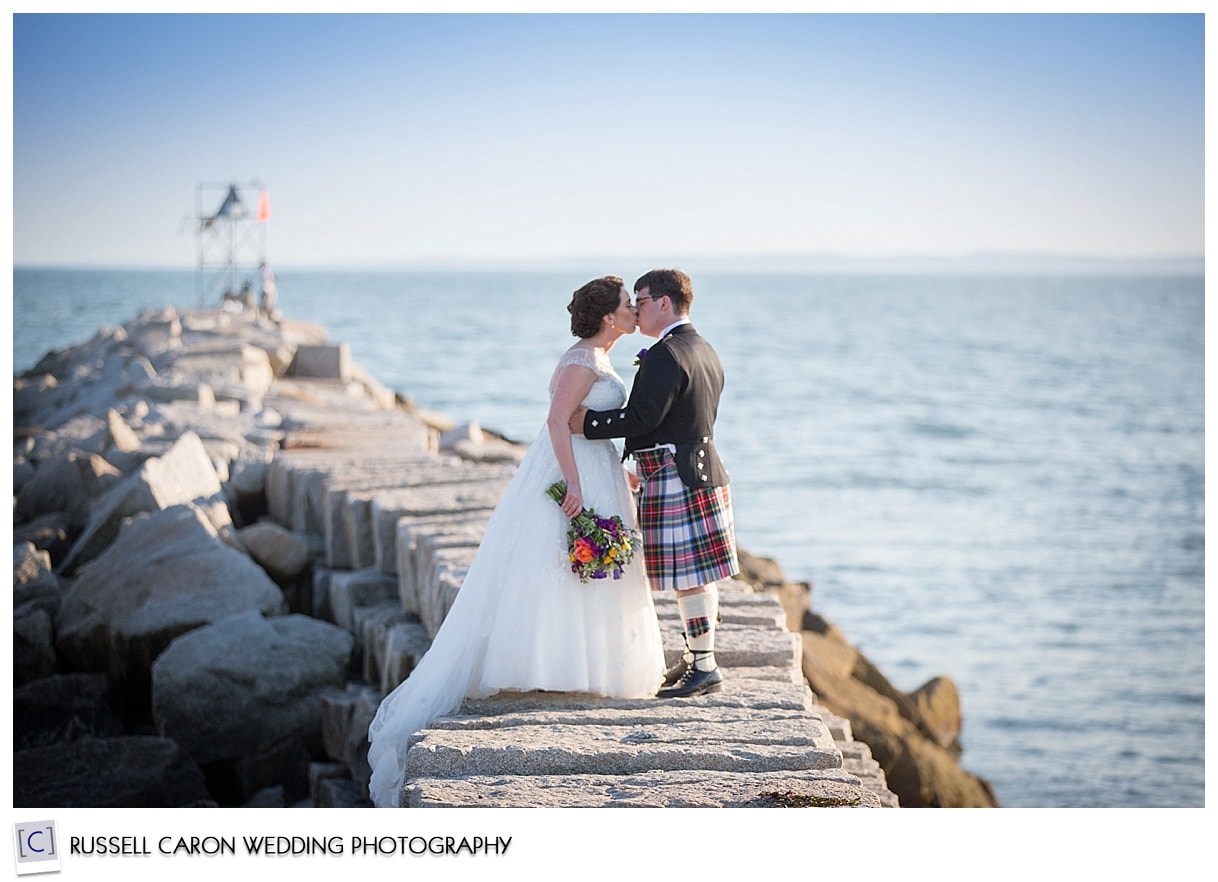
[(694, 682), (675, 673)]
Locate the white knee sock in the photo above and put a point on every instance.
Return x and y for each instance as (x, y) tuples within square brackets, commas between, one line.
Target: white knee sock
[(699, 613)]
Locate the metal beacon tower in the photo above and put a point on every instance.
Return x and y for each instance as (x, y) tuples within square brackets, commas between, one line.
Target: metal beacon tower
[(230, 239)]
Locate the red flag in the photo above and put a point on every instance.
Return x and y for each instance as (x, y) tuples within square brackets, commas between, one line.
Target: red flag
[(264, 207)]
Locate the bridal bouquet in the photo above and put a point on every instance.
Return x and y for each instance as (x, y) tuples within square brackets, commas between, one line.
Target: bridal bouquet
[(597, 547)]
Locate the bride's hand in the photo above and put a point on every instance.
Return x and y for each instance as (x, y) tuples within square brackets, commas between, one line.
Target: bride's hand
[(633, 480), (573, 502)]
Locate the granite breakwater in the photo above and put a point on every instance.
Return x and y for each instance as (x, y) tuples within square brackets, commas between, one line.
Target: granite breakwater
[(230, 542)]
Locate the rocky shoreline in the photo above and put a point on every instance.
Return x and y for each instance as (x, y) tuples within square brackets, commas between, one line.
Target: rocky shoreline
[(230, 541)]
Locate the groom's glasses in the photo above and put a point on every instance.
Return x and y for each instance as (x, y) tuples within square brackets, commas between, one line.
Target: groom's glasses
[(639, 301)]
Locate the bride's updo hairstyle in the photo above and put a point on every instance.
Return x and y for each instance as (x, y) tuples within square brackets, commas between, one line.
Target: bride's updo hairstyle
[(593, 302)]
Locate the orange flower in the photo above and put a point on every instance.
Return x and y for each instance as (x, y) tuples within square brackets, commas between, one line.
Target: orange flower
[(583, 551)]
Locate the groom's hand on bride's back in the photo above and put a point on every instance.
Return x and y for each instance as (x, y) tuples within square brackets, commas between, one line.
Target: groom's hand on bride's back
[(577, 421)]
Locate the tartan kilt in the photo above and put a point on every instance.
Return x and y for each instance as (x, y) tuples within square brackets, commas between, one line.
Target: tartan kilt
[(689, 538)]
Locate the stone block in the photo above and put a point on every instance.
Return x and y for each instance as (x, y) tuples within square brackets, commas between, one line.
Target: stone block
[(386, 508), (412, 532), (759, 695), (738, 646), (326, 361), (739, 746), (370, 626), (439, 586), (352, 589), (471, 432), (651, 789), (340, 707), (405, 645), (735, 607)]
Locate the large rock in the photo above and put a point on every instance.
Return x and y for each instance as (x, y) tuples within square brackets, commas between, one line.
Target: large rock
[(33, 645), (166, 574), (135, 771), (938, 703), (120, 435), (30, 393), (76, 405), (65, 707), (44, 592), (280, 552), (65, 483), (920, 771), (53, 533), (282, 766), (29, 563), (183, 474), (764, 574), (242, 684), (84, 432), (37, 596)]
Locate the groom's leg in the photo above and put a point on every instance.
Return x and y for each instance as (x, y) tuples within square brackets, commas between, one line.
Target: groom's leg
[(702, 626), (699, 610)]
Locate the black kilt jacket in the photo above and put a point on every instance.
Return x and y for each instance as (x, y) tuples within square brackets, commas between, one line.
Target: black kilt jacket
[(675, 400)]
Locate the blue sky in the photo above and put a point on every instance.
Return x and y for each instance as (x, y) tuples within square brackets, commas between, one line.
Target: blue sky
[(393, 139)]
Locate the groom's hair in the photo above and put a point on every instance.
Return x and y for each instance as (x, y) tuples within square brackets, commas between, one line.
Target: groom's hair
[(671, 283), (593, 302)]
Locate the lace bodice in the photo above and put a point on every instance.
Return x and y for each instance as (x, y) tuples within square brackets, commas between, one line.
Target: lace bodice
[(607, 392)]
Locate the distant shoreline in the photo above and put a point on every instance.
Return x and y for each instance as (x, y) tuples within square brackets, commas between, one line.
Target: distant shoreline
[(776, 264)]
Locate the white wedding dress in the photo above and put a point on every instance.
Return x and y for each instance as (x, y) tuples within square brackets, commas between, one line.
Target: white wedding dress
[(522, 620)]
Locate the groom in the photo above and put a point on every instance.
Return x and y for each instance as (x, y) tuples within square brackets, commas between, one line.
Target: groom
[(685, 509)]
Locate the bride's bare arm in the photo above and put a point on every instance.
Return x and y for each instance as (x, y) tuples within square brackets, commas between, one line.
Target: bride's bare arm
[(572, 387)]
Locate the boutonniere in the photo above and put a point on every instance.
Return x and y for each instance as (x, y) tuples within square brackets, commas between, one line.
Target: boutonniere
[(638, 359)]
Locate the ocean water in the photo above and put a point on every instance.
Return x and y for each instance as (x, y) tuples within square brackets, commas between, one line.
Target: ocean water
[(996, 479)]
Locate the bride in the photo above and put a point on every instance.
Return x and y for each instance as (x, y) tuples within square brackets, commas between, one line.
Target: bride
[(522, 620)]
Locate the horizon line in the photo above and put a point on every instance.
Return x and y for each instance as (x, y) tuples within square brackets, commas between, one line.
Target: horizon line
[(769, 263)]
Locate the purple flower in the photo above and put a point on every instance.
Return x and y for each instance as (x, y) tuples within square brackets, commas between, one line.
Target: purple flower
[(638, 359)]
